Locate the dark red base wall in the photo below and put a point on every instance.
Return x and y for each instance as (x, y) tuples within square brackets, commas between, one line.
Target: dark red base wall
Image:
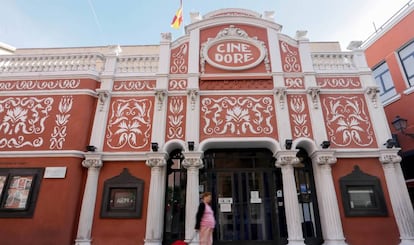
[(366, 230), (108, 231), (57, 208)]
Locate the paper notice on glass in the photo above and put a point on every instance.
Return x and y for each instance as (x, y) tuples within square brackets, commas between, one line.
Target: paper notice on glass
[(225, 207)]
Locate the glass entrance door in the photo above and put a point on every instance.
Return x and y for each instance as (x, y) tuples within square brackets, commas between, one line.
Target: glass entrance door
[(245, 206), (247, 197)]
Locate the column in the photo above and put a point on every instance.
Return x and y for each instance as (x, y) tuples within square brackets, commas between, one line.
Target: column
[(94, 163), (286, 161), (192, 162), (403, 211), (155, 214), (327, 199)]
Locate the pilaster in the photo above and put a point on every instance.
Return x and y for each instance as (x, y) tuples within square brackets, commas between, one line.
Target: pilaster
[(286, 160), (155, 214), (192, 162), (401, 205), (93, 161), (327, 198)]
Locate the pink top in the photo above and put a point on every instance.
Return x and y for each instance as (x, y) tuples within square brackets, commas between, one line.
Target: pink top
[(208, 217)]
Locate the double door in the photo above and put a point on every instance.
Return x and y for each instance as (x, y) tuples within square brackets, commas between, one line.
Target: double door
[(248, 205)]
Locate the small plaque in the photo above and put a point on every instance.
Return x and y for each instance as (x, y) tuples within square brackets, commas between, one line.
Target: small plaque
[(55, 173)]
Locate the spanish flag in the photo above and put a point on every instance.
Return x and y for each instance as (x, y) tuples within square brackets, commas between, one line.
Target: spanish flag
[(178, 18)]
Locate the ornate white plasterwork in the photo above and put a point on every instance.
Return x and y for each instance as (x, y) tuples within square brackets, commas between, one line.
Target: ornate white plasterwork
[(21, 117), (233, 33), (58, 136), (237, 115)]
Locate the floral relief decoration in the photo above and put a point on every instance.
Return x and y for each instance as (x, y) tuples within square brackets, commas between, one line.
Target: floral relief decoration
[(58, 135), (237, 116), (299, 116), (23, 118), (140, 85), (290, 58), (129, 125), (294, 82), (338, 82), (347, 121), (177, 84), (179, 60), (176, 117)]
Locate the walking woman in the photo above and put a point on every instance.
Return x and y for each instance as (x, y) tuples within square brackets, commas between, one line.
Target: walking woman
[(205, 221)]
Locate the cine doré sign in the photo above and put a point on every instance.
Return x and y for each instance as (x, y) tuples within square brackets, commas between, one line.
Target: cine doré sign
[(236, 54)]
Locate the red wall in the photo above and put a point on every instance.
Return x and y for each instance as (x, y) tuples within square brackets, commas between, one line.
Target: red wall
[(107, 231), (386, 49), (56, 213), (366, 230)]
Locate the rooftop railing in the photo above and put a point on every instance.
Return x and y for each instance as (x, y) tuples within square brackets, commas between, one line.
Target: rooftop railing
[(51, 63), (334, 61), (137, 64)]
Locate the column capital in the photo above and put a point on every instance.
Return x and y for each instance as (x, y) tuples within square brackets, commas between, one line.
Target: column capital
[(324, 157), (156, 159), (389, 157), (287, 157), (193, 159), (92, 160)]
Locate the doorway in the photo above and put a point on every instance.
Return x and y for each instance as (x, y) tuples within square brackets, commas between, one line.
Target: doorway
[(247, 196)]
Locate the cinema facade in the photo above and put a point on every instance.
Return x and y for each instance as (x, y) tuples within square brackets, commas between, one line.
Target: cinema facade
[(113, 145)]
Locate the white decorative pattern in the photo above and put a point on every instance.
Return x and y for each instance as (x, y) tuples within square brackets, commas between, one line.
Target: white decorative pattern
[(133, 85), (130, 123), (299, 116), (23, 116), (177, 84), (40, 85), (347, 121), (175, 118), (291, 59), (178, 60), (294, 82), (237, 115), (59, 131), (137, 64), (339, 82)]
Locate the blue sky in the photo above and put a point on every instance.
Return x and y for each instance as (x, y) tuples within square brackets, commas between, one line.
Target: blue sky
[(79, 23)]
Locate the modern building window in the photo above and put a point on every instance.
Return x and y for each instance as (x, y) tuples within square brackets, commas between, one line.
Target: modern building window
[(384, 81), (18, 191), (406, 55)]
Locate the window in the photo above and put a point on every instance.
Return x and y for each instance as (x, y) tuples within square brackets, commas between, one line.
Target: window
[(122, 197), (18, 191), (384, 81), (406, 55), (362, 195)]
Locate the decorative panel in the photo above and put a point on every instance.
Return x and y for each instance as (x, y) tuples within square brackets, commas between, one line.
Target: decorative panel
[(237, 116), (40, 123), (338, 82), (299, 116), (290, 57), (177, 84), (129, 124), (176, 117), (294, 82), (179, 59), (136, 85), (347, 121)]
